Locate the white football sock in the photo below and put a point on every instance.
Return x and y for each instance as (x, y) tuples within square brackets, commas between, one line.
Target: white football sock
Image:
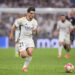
[(27, 61), (60, 50)]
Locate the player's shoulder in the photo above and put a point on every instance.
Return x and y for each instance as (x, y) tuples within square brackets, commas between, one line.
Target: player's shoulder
[(68, 21), (59, 21), (21, 19), (34, 20)]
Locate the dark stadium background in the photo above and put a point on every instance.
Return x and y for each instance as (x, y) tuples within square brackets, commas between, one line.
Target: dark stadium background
[(46, 22)]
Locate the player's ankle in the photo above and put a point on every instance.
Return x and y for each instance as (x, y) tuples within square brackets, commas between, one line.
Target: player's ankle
[(59, 56), (24, 69)]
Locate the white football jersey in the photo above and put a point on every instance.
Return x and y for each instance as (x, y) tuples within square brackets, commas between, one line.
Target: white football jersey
[(26, 27), (64, 27), (17, 32)]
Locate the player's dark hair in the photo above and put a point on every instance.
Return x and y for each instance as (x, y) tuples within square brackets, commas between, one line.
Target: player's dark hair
[(31, 9), (62, 15)]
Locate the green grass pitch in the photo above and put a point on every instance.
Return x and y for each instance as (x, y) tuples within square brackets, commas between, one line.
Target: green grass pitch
[(44, 62)]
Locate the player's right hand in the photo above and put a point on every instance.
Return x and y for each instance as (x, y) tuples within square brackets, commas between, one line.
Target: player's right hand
[(11, 37)]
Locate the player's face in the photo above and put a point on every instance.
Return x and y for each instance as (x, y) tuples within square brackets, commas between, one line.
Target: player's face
[(63, 18), (71, 13), (31, 14)]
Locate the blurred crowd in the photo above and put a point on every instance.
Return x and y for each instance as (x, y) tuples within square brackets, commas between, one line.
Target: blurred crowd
[(46, 22), (37, 3)]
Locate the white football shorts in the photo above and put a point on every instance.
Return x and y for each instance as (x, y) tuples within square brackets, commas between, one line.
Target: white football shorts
[(26, 43), (64, 38)]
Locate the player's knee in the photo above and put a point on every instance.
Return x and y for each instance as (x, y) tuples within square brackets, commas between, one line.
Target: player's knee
[(60, 44), (23, 56), (30, 53), (68, 46)]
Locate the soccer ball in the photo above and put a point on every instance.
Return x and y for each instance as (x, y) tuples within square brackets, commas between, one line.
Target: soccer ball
[(69, 68)]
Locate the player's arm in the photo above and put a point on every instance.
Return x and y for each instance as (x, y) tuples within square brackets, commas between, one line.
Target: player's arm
[(16, 24), (74, 24), (12, 32), (36, 31), (57, 30), (74, 27), (35, 27), (58, 26), (71, 28)]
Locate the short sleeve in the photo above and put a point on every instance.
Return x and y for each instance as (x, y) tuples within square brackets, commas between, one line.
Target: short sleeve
[(17, 23)]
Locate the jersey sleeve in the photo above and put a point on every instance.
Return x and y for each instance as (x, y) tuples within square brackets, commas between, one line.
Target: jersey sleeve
[(17, 23), (35, 25)]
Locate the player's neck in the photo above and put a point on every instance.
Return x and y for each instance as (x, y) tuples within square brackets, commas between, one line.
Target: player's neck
[(63, 21), (28, 18)]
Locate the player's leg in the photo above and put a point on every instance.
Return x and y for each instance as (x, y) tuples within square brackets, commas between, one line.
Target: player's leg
[(67, 41), (60, 49), (64, 46), (16, 49), (23, 54), (72, 38), (30, 48), (30, 51), (61, 40), (28, 58), (67, 50), (22, 49), (16, 43)]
